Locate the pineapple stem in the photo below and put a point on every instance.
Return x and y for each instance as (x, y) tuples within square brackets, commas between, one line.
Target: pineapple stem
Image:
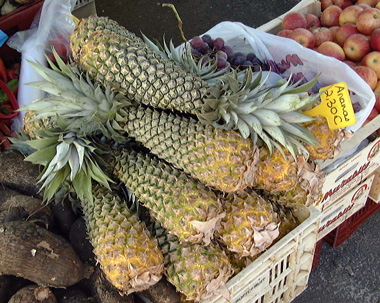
[(180, 23)]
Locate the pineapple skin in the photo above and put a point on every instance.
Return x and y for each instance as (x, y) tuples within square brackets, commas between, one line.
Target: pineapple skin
[(250, 225), (274, 172), (131, 67), (329, 140), (197, 271), (93, 23), (126, 251), (180, 203), (221, 159), (31, 127)]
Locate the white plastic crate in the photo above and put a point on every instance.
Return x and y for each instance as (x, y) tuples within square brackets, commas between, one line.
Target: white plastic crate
[(84, 8), (282, 272), (81, 3), (340, 210)]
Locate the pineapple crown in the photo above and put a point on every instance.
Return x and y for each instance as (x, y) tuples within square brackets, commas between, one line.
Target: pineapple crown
[(259, 111), (68, 159), (86, 107)]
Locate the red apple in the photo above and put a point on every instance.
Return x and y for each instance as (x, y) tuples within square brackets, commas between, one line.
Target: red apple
[(368, 2), (349, 14), (284, 33), (377, 103), (350, 63), (303, 36), (344, 31), (346, 3), (312, 21), (372, 115), (368, 20), (356, 47), (363, 5), (322, 34), (372, 60), (367, 74), (293, 20), (327, 3), (333, 29), (331, 49), (330, 16), (375, 39), (377, 95)]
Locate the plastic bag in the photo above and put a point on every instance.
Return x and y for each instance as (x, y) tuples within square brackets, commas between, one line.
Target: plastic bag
[(289, 58), (55, 20)]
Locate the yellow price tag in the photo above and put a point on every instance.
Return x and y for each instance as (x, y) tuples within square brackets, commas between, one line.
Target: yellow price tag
[(336, 106)]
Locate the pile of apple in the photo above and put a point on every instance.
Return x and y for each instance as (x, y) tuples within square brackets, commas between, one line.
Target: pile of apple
[(346, 30)]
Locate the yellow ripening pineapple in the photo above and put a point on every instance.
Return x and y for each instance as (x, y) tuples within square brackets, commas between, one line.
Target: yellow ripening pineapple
[(250, 225), (127, 253)]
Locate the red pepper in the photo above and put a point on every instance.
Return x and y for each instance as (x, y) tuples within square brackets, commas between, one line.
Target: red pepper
[(13, 103), (3, 72), (13, 86)]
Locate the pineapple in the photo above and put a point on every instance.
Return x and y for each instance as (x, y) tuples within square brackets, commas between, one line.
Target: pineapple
[(181, 204), (280, 172), (31, 125), (87, 26), (198, 272), (233, 101), (219, 158), (329, 140), (127, 253), (250, 224), (307, 191)]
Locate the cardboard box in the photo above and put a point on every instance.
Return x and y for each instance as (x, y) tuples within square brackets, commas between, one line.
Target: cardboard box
[(350, 173), (345, 207)]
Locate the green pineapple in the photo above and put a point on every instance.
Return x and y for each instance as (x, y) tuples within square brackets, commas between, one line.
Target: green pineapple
[(127, 253), (93, 23), (132, 67), (181, 204)]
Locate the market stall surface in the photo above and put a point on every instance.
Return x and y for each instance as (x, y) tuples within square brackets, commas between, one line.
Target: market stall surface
[(347, 274)]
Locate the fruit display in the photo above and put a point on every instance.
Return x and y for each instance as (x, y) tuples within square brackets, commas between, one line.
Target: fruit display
[(184, 162), (346, 30)]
